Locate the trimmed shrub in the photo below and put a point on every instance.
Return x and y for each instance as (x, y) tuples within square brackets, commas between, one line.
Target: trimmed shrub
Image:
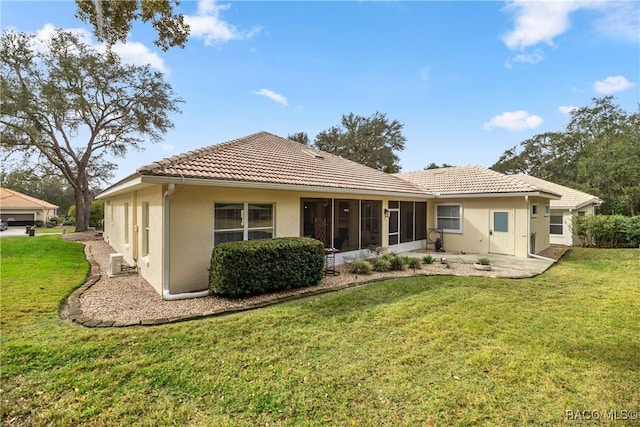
[(39, 223), (257, 267), (360, 266), (380, 264), (607, 231)]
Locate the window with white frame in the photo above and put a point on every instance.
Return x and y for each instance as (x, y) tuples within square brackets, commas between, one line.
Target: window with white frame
[(534, 210), (145, 229), (242, 221), (449, 218), (556, 223), (126, 223)]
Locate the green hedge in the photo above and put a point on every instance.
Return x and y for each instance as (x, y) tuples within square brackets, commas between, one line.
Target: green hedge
[(607, 231), (257, 267)]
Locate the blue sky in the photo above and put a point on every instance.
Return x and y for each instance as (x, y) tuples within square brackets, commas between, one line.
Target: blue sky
[(467, 79)]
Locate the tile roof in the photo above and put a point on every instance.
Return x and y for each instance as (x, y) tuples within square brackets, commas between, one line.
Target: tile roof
[(10, 199), (466, 180), (267, 158), (569, 198)]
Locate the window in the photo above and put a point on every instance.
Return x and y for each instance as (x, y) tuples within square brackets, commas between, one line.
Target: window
[(547, 210), (145, 229), (582, 213), (501, 222), (242, 221), (126, 223), (534, 211), (449, 218), (556, 223)]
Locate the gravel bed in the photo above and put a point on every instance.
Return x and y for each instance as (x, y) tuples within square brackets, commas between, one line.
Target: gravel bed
[(131, 299)]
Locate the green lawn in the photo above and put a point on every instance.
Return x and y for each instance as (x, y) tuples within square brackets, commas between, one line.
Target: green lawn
[(421, 351)]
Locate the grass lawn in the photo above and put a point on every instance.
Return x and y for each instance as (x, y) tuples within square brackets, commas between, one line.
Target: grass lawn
[(55, 230), (439, 351)]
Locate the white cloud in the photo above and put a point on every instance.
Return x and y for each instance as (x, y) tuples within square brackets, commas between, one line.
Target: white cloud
[(526, 58), (208, 25), (272, 95), (612, 84), (542, 21), (138, 54), (538, 22), (567, 109), (514, 120)]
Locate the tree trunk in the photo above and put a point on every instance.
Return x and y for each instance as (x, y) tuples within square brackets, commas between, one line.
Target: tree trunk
[(83, 206)]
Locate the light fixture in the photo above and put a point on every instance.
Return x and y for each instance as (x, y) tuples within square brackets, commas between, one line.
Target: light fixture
[(443, 260), (387, 213)]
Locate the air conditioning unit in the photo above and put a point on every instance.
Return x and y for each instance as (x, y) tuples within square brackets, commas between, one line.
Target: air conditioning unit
[(115, 265)]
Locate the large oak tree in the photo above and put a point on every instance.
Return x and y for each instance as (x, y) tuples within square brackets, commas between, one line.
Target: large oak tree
[(371, 141), (74, 107)]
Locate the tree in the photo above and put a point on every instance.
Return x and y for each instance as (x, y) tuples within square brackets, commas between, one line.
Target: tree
[(598, 152), (371, 141), (433, 165), (67, 105), (112, 20), (300, 137)]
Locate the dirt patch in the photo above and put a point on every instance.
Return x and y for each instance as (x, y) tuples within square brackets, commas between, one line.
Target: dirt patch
[(554, 252)]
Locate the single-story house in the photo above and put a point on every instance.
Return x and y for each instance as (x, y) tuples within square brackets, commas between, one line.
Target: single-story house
[(572, 202), (167, 216), (19, 209), (478, 210)]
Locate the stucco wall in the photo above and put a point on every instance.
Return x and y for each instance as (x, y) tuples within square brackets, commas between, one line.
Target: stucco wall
[(476, 214)]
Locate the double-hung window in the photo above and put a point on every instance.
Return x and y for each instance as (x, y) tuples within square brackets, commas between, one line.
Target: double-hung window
[(449, 218), (242, 221), (556, 223)]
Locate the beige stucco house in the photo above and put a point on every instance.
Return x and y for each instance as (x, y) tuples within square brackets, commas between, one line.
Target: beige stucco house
[(19, 209), (572, 202), (477, 210), (167, 216)]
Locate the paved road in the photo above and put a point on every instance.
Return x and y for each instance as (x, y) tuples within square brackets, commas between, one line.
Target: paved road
[(15, 231)]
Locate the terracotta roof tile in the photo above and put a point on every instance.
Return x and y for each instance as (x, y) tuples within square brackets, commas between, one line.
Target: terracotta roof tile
[(569, 197), (470, 179), (13, 199), (267, 158)]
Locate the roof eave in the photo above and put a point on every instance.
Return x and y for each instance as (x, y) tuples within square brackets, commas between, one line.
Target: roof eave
[(133, 181), (496, 194)]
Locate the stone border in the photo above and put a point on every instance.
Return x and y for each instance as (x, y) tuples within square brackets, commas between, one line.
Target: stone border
[(71, 310)]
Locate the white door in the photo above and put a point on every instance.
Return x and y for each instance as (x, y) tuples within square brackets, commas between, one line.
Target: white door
[(501, 233)]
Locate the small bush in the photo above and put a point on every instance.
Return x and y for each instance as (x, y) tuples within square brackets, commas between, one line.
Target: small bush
[(414, 263), (360, 266), (380, 264), (39, 223), (257, 267), (428, 259), (397, 263)]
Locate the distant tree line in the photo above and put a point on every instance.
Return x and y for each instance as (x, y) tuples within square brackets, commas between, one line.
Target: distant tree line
[(598, 152)]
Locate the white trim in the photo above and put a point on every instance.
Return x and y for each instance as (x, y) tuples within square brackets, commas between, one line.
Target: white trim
[(489, 195)]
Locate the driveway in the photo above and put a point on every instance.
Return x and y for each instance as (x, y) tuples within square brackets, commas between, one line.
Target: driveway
[(14, 231)]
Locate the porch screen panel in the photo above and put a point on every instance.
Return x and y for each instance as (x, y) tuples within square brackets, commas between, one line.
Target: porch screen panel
[(316, 219), (406, 222), (346, 234), (371, 219), (421, 220)]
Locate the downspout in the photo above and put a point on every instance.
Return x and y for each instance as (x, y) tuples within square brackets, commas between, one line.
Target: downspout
[(166, 258), (529, 254)]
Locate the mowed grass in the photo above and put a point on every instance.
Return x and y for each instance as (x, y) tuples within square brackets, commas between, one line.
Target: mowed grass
[(420, 351)]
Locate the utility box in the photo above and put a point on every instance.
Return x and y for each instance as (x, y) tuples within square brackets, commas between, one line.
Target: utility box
[(115, 265)]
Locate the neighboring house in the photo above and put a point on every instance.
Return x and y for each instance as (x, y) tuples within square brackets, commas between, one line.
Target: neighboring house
[(19, 209), (166, 217), (478, 210), (572, 202)]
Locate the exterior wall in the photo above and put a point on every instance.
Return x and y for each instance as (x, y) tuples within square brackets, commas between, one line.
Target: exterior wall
[(476, 224), (567, 238), (191, 230), (539, 231)]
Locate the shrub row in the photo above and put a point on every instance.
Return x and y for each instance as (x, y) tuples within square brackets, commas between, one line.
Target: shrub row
[(256, 267), (387, 262), (607, 231)]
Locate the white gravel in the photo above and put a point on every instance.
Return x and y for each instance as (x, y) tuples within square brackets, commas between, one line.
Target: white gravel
[(131, 298)]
